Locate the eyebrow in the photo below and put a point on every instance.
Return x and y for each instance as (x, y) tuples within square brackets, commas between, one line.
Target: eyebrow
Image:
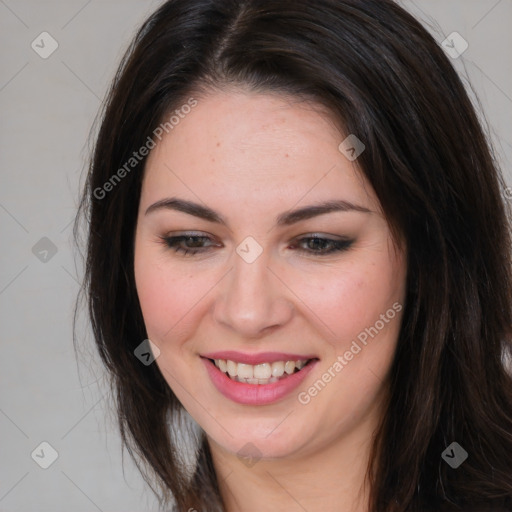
[(284, 219)]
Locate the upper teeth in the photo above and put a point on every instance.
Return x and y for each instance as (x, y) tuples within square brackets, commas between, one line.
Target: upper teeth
[(259, 371)]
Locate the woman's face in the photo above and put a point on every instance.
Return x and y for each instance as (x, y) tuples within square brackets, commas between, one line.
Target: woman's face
[(273, 280)]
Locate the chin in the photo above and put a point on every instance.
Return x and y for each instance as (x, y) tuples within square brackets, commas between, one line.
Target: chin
[(260, 440)]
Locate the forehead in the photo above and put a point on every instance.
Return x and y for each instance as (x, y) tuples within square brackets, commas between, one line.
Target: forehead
[(242, 145)]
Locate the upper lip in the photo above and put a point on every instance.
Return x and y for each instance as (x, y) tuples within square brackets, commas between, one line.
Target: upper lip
[(262, 357)]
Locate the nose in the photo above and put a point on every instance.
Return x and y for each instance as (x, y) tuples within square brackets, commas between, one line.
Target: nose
[(252, 300)]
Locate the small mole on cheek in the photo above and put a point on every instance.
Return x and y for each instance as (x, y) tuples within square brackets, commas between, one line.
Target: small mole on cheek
[(218, 144), (287, 155)]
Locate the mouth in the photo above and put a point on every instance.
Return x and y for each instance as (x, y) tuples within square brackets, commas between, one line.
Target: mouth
[(257, 379), (260, 374)]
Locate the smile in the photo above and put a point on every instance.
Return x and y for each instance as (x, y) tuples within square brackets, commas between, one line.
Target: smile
[(264, 373), (266, 381)]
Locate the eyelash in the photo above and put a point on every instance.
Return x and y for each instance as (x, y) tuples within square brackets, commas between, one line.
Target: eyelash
[(172, 241)]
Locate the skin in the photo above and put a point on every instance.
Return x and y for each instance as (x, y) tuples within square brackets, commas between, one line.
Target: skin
[(250, 157)]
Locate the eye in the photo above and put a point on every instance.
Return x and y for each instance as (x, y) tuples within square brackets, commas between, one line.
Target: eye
[(187, 244), (321, 246)]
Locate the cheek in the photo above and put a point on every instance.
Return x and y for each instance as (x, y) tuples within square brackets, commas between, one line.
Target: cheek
[(169, 297), (363, 307), (347, 300)]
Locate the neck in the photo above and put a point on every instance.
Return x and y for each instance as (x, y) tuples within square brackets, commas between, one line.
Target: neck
[(330, 476)]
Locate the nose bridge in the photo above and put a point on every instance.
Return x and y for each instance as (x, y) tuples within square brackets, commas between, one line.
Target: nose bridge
[(252, 298)]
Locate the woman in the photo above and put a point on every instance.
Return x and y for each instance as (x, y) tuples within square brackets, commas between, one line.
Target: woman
[(298, 247)]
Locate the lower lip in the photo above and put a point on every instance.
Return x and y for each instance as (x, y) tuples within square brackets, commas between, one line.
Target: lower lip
[(256, 394)]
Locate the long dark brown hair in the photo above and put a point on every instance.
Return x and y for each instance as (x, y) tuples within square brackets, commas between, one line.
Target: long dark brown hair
[(384, 78)]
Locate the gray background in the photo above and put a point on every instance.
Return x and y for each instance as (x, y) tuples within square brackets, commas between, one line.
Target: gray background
[(48, 106)]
